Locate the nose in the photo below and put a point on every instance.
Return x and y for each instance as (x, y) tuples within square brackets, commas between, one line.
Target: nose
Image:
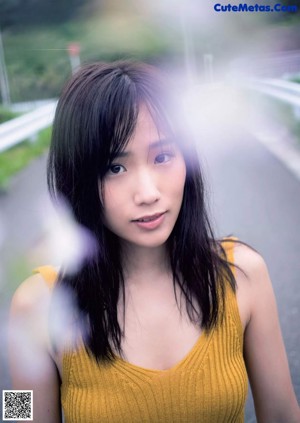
[(145, 188)]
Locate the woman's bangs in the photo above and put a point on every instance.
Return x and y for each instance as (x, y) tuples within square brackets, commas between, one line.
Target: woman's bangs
[(124, 128), (119, 117)]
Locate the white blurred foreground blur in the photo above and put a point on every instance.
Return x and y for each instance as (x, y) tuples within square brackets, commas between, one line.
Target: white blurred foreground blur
[(2, 237), (64, 242), (51, 322), (45, 317), (213, 107)]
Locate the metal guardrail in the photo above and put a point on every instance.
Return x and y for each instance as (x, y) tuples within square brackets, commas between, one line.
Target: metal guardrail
[(17, 130), (283, 90), (29, 106), (26, 126), (276, 65)]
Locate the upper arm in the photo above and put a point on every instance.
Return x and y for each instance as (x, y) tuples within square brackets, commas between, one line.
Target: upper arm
[(31, 365), (264, 350)]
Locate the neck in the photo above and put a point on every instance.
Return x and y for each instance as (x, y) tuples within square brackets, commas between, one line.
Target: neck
[(143, 265)]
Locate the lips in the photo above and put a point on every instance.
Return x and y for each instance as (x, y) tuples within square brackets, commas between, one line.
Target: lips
[(148, 218), (150, 222)]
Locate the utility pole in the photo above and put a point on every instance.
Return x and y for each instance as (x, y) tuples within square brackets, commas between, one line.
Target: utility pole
[(3, 77), (188, 45), (74, 56), (208, 67)]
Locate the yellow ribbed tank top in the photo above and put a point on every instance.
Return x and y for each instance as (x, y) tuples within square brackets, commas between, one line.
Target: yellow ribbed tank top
[(209, 385)]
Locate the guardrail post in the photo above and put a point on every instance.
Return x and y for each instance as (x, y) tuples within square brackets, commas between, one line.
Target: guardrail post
[(3, 77)]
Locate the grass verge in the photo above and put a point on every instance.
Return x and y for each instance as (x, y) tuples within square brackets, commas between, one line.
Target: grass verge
[(6, 115), (18, 157), (288, 115), (279, 111)]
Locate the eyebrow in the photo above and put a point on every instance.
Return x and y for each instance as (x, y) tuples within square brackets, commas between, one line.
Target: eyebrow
[(152, 146)]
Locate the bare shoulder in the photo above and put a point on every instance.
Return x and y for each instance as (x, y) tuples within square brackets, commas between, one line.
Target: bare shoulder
[(252, 280), (30, 362), (252, 273), (264, 350), (30, 295), (29, 310), (249, 262)]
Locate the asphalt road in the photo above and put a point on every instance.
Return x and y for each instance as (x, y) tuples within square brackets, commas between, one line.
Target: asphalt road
[(256, 198), (252, 195)]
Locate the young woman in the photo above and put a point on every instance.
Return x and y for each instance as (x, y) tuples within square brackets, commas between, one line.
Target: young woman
[(172, 320)]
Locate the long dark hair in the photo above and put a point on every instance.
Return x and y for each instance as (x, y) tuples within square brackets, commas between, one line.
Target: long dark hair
[(95, 117)]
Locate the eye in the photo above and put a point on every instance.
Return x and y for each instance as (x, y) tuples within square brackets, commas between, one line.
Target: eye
[(163, 158), (115, 169)]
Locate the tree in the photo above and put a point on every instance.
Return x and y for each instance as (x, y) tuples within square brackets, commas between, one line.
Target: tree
[(16, 13)]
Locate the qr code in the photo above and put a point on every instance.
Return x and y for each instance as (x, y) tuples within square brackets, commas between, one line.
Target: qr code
[(17, 405)]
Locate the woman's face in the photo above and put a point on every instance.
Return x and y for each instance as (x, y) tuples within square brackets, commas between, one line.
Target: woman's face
[(143, 188)]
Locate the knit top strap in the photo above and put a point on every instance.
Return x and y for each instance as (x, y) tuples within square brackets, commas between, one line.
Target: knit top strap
[(49, 274)]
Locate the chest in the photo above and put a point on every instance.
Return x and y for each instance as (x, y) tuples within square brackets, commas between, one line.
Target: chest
[(209, 384), (158, 332)]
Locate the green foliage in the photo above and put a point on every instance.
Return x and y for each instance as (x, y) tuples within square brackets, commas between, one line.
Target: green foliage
[(17, 13), (290, 117), (278, 111), (37, 63), (36, 52), (37, 58), (295, 78), (18, 157), (6, 114)]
